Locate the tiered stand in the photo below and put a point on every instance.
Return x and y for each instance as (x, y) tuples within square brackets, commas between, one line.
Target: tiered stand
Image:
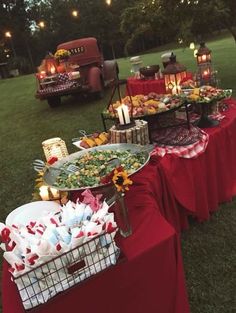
[(155, 121)]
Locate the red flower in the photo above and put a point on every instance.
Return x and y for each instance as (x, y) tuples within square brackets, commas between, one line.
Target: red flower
[(108, 178), (52, 160)]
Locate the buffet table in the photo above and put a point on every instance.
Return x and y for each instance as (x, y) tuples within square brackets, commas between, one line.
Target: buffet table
[(149, 279), (164, 194)]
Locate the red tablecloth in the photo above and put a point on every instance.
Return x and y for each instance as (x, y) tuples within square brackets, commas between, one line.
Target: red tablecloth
[(196, 186), (150, 280), (145, 86)]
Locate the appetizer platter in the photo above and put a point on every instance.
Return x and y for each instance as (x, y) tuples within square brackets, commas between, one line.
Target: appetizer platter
[(93, 140), (93, 165), (145, 105), (207, 94)]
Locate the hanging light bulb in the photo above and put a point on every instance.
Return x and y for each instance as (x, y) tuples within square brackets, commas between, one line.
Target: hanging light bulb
[(192, 46), (74, 13), (195, 53)]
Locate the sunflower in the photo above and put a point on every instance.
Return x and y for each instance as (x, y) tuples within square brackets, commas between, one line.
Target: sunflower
[(121, 180)]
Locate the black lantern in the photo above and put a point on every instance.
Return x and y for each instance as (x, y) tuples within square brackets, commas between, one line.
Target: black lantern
[(174, 73), (205, 75), (203, 54)]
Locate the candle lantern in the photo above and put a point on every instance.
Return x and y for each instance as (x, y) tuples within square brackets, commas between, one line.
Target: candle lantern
[(50, 65), (203, 54), (174, 73), (205, 74), (54, 147)]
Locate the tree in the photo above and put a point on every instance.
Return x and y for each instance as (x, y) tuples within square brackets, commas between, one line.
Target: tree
[(225, 11)]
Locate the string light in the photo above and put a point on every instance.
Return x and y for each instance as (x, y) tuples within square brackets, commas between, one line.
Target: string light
[(41, 24), (75, 13)]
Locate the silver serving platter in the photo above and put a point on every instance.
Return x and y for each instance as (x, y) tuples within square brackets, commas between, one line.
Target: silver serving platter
[(51, 174)]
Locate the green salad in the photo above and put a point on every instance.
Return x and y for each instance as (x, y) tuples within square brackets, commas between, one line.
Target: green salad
[(93, 166)]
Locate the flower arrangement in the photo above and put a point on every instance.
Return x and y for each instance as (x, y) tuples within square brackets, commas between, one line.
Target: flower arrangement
[(62, 54), (44, 192), (121, 180), (119, 177)]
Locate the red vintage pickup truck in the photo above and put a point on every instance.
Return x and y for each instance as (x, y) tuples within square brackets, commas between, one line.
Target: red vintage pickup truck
[(84, 70)]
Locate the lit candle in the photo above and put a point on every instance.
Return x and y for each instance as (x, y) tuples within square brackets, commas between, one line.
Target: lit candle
[(53, 69), (43, 192), (121, 115), (206, 73), (55, 151), (55, 193), (204, 57), (125, 113)]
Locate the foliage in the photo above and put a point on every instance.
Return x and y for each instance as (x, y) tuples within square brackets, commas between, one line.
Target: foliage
[(128, 26), (20, 63)]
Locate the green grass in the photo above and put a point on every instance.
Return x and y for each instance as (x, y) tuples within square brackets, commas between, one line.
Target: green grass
[(25, 122), (209, 254)]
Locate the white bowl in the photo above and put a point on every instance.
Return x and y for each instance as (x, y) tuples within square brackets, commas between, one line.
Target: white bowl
[(32, 211)]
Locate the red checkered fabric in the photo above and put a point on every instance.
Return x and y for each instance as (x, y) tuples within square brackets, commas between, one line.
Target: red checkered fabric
[(189, 151), (216, 116), (62, 78)]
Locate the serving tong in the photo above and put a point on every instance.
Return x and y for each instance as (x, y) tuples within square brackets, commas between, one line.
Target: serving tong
[(83, 134), (40, 165)]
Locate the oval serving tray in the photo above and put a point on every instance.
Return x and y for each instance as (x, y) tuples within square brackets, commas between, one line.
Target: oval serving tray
[(51, 174)]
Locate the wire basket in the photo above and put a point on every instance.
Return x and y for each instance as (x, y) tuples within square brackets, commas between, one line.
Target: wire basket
[(54, 276), (55, 147)]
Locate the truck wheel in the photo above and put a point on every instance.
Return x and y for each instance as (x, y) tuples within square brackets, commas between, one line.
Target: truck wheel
[(100, 94), (54, 101)]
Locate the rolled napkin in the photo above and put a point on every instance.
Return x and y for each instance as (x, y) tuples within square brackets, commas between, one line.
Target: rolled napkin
[(68, 214), (63, 233)]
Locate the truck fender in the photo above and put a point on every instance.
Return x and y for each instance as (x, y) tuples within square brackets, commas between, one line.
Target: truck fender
[(110, 70), (95, 79)]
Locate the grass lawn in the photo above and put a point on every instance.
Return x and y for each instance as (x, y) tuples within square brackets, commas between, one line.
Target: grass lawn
[(208, 248)]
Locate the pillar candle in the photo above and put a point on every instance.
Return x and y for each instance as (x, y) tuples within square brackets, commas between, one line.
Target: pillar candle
[(120, 115), (55, 193), (126, 113), (43, 192)]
